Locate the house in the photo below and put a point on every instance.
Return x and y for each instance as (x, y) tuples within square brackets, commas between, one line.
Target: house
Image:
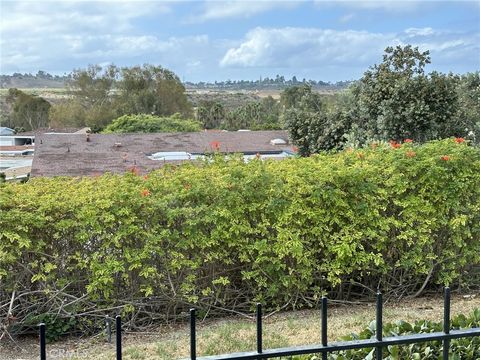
[(92, 154), (16, 154), (17, 150)]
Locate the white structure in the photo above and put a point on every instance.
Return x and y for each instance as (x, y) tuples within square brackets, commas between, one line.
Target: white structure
[(5, 131), (7, 140)]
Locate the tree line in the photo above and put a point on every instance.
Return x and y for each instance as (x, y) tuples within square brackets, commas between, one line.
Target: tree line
[(279, 82)]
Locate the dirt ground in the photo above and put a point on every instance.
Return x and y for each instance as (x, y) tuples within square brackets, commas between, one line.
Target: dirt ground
[(236, 334)]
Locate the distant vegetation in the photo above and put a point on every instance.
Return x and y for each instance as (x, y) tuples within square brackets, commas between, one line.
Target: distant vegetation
[(41, 79), (263, 114), (150, 124), (279, 82), (25, 111), (45, 80)]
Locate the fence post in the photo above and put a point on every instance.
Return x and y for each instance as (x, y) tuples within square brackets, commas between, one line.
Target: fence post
[(43, 348), (193, 339), (108, 322), (259, 329), (324, 326), (446, 322), (118, 325), (379, 326)]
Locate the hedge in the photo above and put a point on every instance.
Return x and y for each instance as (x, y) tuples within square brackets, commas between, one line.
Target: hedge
[(223, 234)]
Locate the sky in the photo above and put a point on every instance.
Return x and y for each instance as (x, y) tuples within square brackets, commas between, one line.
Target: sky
[(220, 40)]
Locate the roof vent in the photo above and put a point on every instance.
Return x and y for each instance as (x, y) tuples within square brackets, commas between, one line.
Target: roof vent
[(278, 142)]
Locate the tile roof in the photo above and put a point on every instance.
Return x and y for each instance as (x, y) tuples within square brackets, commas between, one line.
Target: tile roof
[(72, 155)]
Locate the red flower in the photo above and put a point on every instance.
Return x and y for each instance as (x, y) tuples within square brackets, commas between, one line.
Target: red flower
[(459, 140), (445, 158), (408, 141), (134, 170), (294, 148), (145, 192), (394, 144), (215, 145), (410, 154)]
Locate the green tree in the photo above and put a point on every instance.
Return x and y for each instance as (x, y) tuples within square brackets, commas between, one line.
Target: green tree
[(211, 114), (144, 123), (107, 93), (467, 119), (70, 113), (152, 90), (312, 128), (28, 112), (291, 96), (397, 100)]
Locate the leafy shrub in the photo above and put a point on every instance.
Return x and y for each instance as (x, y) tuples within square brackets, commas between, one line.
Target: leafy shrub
[(465, 348), (144, 123), (225, 233), (55, 327)]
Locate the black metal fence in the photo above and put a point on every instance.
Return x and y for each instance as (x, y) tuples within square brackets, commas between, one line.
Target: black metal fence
[(379, 342)]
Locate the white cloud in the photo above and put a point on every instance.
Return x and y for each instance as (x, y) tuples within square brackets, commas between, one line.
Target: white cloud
[(385, 5), (412, 32), (49, 35), (29, 17), (315, 48), (217, 10), (346, 18), (285, 47)]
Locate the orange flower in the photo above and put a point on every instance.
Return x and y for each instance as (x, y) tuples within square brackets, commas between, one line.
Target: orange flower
[(459, 140), (408, 141), (410, 154), (145, 192), (134, 170), (394, 144), (215, 145), (295, 148), (145, 177), (360, 155), (445, 158)]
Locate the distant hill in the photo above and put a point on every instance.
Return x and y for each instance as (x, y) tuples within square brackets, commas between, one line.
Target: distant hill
[(44, 80), (279, 83), (41, 80)]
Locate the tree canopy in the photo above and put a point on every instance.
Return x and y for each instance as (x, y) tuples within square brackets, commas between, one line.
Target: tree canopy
[(393, 101), (143, 123), (99, 95), (29, 112)]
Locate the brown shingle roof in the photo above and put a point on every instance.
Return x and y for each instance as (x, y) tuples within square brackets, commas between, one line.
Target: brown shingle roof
[(72, 155)]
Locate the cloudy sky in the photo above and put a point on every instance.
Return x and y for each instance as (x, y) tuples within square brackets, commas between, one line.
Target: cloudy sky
[(219, 40)]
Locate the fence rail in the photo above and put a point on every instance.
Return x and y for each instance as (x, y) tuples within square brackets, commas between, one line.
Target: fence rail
[(324, 348)]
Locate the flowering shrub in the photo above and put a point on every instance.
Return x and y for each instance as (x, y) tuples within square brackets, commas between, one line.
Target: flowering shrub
[(214, 232)]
